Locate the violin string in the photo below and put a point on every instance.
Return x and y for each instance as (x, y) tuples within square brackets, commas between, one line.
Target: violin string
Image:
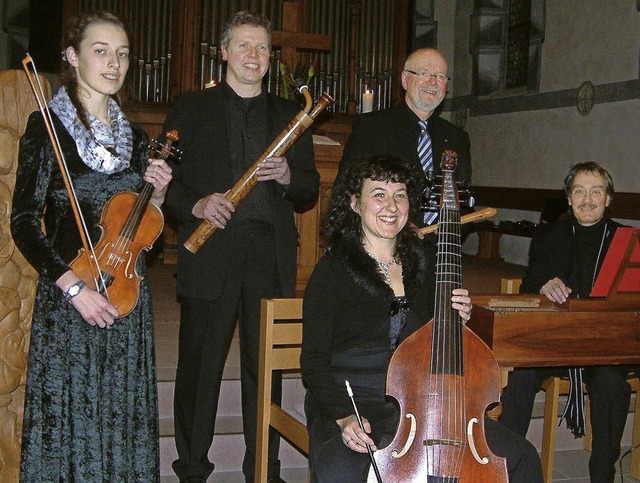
[(457, 322), (457, 333), (123, 240), (129, 228), (454, 266), (126, 235), (444, 457), (439, 325), (142, 200)]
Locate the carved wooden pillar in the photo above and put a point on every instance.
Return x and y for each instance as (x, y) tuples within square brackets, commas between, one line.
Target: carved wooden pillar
[(17, 278)]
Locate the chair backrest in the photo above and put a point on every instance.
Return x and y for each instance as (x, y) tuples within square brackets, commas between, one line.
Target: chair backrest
[(280, 347)]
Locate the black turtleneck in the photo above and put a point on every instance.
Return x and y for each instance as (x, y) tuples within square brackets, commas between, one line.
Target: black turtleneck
[(588, 244)]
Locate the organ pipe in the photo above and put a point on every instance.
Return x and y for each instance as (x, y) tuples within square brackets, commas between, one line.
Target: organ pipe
[(345, 72)]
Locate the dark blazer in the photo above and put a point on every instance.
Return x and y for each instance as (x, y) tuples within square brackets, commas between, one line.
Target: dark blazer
[(395, 131), (552, 254), (205, 168)]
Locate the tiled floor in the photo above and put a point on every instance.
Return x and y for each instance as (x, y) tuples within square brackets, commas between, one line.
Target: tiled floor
[(479, 277)]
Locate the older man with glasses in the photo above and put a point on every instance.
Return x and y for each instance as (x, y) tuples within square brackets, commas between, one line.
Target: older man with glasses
[(412, 130)]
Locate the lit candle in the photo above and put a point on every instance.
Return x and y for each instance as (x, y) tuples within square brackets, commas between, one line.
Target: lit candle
[(367, 101)]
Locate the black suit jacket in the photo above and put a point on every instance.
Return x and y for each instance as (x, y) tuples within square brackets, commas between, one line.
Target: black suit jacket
[(205, 168), (395, 131), (553, 254)]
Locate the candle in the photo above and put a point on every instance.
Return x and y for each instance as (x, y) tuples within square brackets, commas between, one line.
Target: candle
[(211, 83), (367, 101)]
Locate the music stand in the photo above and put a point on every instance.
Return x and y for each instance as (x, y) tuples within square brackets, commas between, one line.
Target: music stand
[(619, 277)]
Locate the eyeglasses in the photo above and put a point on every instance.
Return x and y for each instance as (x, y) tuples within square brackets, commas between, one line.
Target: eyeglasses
[(440, 77), (583, 192)]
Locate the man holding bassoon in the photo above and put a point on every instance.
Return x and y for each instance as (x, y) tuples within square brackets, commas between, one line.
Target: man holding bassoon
[(252, 254)]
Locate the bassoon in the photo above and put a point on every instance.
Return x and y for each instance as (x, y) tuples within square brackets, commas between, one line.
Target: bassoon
[(281, 145)]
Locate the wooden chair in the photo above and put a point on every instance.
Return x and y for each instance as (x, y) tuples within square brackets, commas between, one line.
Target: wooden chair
[(280, 346), (553, 387)]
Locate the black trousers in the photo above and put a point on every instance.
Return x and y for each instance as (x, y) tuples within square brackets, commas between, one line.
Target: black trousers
[(331, 461), (206, 332), (609, 395)]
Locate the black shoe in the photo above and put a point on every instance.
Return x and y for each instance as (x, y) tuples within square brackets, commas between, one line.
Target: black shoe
[(194, 480), (275, 479)]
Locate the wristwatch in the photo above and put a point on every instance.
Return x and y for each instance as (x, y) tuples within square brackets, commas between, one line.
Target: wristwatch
[(74, 290)]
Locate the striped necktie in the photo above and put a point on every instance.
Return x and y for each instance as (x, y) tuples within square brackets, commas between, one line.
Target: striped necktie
[(425, 155)]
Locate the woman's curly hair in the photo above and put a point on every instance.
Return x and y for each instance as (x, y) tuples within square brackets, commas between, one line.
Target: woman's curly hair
[(343, 225)]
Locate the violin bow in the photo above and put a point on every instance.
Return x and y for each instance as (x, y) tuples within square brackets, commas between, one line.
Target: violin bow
[(38, 92)]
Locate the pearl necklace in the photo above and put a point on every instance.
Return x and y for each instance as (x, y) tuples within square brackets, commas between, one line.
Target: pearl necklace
[(384, 266)]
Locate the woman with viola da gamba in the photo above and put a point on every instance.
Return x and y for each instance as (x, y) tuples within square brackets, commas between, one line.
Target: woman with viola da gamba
[(371, 292)]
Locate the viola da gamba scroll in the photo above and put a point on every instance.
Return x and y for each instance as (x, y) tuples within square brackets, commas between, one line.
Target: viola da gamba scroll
[(443, 377)]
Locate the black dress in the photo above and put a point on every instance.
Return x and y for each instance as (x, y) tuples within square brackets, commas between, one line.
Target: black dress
[(91, 398), (348, 333)]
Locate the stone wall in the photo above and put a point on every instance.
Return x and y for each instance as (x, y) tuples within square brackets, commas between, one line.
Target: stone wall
[(529, 138)]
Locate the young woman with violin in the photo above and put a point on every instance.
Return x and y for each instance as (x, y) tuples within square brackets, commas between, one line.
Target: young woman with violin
[(373, 288), (91, 401)]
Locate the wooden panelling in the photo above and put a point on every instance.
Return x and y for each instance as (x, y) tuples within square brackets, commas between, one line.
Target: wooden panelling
[(309, 223), (149, 117)]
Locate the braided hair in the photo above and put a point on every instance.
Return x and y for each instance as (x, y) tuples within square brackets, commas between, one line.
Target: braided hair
[(75, 33)]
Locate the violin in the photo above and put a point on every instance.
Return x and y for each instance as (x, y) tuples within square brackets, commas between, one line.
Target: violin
[(129, 225), (443, 378)]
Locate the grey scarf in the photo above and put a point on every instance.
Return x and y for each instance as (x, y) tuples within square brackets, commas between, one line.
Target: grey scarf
[(106, 149)]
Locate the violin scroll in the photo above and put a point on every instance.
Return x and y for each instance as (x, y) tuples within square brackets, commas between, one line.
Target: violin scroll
[(166, 150)]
